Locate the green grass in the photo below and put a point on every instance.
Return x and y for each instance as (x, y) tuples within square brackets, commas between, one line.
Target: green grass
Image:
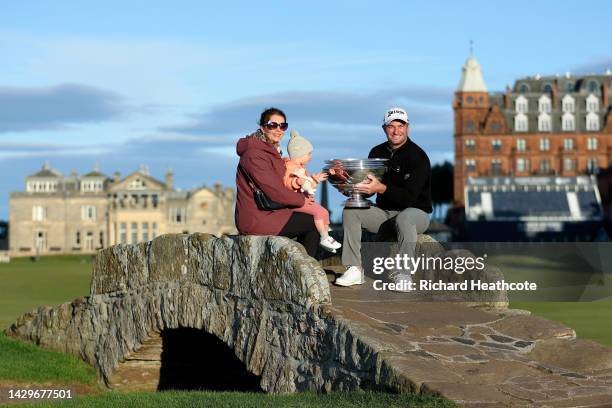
[(247, 400), (591, 320), (25, 362), (25, 285)]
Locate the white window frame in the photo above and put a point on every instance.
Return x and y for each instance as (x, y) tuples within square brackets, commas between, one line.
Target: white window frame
[(544, 144), (568, 104), (568, 144), (592, 103), (88, 213), (568, 122), (39, 213), (544, 122), (521, 104), (521, 145), (521, 123), (592, 143), (592, 122), (521, 164), (544, 104)]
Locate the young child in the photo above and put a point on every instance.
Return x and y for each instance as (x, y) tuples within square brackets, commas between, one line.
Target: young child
[(298, 179)]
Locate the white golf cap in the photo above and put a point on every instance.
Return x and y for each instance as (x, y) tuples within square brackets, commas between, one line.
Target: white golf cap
[(395, 114)]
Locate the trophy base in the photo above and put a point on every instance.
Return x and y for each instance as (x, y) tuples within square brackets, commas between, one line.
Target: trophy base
[(357, 202)]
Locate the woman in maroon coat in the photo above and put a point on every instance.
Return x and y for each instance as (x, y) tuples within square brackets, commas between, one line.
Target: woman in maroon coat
[(260, 158)]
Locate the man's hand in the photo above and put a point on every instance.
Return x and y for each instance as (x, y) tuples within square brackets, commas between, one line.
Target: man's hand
[(371, 186), (309, 200)]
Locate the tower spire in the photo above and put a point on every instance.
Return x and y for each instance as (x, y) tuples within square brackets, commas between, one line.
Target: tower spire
[(471, 48)]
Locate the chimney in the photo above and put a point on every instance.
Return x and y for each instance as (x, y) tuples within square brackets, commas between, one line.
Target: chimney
[(605, 97), (117, 177), (218, 188), (554, 96), (507, 98), (169, 179)]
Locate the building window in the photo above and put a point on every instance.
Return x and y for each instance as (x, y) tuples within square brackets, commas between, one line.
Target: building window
[(521, 145), (544, 104), (91, 186), (568, 164), (521, 165), (520, 123), (145, 231), (77, 240), (496, 167), (178, 215), (89, 245), (134, 232), (101, 239), (592, 143), (569, 87), (592, 122), (568, 104), (568, 123), (524, 88), (544, 145), (123, 232), (592, 103), (470, 144), (470, 165), (568, 144), (470, 126), (547, 88), (521, 105), (155, 200), (88, 213), (137, 184), (544, 122), (544, 166), (496, 145), (592, 167), (39, 213), (153, 230), (593, 85)]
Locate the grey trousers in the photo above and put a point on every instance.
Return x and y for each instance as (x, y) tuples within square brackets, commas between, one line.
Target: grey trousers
[(404, 224)]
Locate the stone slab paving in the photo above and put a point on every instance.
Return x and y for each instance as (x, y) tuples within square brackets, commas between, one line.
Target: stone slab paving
[(474, 356)]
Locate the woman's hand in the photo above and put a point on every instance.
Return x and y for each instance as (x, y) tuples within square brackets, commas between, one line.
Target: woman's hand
[(309, 200), (319, 177)]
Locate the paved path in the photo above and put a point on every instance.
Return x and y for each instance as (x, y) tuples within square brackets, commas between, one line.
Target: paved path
[(478, 358)]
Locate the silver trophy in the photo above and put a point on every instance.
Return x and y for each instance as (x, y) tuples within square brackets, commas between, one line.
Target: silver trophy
[(344, 174)]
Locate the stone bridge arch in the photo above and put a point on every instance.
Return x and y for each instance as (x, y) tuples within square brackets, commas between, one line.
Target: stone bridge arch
[(262, 296)]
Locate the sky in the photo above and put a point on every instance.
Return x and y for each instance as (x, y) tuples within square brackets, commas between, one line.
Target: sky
[(175, 84)]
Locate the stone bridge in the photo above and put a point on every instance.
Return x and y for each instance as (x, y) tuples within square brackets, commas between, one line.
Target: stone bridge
[(256, 313)]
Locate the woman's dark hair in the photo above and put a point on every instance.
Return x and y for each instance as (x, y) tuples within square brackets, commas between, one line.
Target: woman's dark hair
[(265, 115)]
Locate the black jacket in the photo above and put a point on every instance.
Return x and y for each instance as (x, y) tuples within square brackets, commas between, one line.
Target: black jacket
[(408, 178)]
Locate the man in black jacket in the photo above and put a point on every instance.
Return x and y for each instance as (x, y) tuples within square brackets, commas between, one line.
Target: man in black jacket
[(403, 199)]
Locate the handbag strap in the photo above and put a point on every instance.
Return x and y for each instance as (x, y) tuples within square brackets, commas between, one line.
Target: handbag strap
[(249, 179)]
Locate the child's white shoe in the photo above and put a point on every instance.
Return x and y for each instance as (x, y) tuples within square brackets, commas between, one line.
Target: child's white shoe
[(330, 243)]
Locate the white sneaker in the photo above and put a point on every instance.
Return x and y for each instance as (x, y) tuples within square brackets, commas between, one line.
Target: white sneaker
[(352, 276), (330, 243), (401, 279)]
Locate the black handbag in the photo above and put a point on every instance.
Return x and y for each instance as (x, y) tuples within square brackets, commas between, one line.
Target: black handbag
[(261, 199)]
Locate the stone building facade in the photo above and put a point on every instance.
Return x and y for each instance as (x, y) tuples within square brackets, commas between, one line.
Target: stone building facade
[(543, 125), (59, 214)]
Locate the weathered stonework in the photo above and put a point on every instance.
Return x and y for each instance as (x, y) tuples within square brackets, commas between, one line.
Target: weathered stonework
[(272, 306)]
